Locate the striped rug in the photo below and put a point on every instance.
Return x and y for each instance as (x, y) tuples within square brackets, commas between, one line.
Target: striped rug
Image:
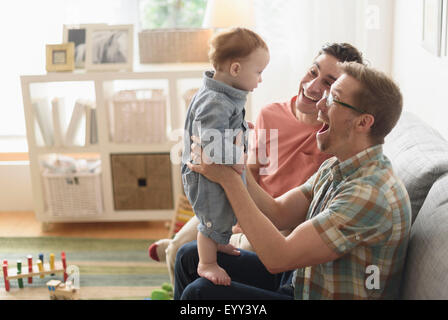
[(109, 268)]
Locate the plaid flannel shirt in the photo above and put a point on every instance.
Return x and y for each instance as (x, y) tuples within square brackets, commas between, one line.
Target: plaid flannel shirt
[(362, 211)]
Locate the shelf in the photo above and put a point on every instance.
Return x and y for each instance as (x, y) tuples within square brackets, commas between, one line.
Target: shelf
[(71, 149), (100, 87), (162, 71), (140, 148)]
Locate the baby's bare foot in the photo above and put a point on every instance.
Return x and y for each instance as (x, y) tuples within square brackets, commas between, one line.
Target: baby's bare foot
[(214, 273), (229, 249)]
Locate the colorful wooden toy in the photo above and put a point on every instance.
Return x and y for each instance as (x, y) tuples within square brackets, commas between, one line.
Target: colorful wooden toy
[(19, 271), (30, 267), (62, 291), (5, 274), (40, 270)]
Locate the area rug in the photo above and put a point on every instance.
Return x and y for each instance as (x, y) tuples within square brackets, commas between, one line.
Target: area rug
[(111, 269)]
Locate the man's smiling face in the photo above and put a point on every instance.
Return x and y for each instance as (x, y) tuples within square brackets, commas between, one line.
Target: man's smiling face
[(319, 77), (336, 137)]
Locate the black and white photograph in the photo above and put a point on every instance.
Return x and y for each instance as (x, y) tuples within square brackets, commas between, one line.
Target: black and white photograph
[(78, 34), (109, 48)]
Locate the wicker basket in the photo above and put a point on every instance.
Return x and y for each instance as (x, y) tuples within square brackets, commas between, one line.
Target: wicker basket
[(139, 116), (73, 195), (174, 45)]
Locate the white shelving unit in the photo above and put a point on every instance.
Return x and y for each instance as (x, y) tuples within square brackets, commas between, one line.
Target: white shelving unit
[(173, 78)]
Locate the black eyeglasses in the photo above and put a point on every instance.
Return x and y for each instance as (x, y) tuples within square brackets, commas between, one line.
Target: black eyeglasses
[(331, 100)]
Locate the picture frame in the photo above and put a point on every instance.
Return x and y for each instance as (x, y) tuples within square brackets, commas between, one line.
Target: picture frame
[(432, 26), (110, 47), (77, 33), (60, 57)]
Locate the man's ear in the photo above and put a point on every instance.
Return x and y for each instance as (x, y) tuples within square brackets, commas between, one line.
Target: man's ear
[(235, 68), (365, 122)]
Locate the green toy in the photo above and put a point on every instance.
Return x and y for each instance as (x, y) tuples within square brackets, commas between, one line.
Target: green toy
[(166, 293)]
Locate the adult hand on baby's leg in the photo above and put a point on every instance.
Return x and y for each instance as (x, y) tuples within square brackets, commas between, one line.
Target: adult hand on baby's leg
[(228, 249)]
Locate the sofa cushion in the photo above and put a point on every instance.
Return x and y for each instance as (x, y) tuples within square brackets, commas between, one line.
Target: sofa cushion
[(437, 195), (426, 269), (419, 155)]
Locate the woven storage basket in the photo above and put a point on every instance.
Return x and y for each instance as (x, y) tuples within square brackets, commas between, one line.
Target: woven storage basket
[(174, 45), (73, 195), (139, 116)]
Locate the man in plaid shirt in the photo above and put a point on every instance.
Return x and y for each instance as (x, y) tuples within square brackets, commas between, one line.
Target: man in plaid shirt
[(352, 218)]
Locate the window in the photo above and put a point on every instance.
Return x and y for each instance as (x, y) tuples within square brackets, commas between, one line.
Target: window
[(172, 13), (28, 25)]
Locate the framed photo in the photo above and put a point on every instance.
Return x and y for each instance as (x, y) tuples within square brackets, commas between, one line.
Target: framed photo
[(78, 34), (432, 26), (60, 57), (110, 47)]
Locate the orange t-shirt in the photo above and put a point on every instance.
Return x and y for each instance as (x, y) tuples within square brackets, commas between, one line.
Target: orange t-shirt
[(298, 155)]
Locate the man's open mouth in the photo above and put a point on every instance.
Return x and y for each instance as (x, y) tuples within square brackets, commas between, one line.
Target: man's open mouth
[(324, 128), (325, 124), (308, 98)]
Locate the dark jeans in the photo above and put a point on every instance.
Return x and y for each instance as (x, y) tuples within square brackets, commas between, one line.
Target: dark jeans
[(250, 278)]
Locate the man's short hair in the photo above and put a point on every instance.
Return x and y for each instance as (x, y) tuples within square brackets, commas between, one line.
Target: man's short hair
[(344, 52), (234, 43), (380, 96)]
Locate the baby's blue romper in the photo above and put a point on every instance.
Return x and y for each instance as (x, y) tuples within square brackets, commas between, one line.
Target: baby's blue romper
[(215, 108)]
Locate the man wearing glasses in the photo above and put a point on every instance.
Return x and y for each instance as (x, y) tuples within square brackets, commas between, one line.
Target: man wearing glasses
[(350, 218), (296, 124)]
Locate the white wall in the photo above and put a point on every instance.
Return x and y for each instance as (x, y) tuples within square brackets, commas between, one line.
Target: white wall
[(295, 30), (423, 77), (15, 186)]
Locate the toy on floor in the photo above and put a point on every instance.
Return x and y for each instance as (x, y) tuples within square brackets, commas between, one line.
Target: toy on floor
[(165, 293), (183, 214), (40, 269), (62, 291)]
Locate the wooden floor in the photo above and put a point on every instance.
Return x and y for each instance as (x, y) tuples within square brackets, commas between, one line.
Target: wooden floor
[(24, 224)]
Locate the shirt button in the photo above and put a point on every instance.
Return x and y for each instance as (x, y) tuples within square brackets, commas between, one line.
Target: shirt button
[(342, 247), (209, 224)]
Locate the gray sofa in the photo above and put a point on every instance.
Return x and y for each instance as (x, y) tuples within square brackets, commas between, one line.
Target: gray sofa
[(419, 155)]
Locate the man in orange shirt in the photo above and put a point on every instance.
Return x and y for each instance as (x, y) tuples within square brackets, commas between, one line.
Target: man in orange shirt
[(295, 124)]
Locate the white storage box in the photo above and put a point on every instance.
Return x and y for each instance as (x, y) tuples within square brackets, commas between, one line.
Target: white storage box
[(139, 116), (73, 195)]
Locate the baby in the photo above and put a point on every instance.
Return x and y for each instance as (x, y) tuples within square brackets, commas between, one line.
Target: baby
[(216, 115)]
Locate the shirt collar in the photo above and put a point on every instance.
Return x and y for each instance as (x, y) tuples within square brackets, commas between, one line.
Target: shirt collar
[(340, 170), (219, 86)]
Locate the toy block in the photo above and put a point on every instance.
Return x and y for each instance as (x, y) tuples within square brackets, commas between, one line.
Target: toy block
[(5, 274), (30, 267), (19, 271)]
